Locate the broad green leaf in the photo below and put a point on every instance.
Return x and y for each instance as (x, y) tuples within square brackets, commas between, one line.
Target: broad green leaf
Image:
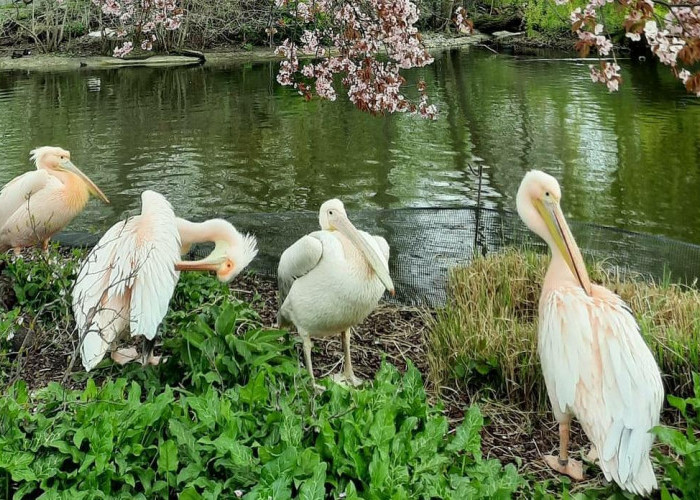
[(382, 429), (189, 473), (314, 487), (225, 321), (468, 435), (167, 456), (674, 438), (189, 494), (255, 391), (378, 471), (184, 438)]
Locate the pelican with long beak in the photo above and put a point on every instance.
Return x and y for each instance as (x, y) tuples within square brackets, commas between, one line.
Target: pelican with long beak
[(331, 280), (595, 363), (39, 204), (126, 282)]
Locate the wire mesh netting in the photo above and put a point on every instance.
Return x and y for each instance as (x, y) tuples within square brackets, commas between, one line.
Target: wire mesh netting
[(426, 243)]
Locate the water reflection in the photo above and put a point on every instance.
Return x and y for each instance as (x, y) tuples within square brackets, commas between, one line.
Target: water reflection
[(230, 140)]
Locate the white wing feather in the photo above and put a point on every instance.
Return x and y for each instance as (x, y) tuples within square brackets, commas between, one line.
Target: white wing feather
[(298, 260), (383, 247), (597, 367), (130, 274), (15, 193)]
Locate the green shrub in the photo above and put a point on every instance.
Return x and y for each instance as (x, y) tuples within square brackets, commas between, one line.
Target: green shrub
[(42, 281), (232, 411), (682, 468)]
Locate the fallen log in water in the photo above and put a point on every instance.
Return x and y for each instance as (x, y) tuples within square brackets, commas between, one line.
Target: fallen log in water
[(115, 62)]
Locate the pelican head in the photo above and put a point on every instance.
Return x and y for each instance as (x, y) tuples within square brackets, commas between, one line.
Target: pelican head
[(55, 159), (332, 217), (233, 251), (538, 206)]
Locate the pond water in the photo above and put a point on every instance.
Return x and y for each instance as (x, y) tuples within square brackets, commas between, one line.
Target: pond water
[(224, 140)]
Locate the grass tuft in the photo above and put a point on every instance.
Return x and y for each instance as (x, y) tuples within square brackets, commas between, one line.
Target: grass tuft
[(486, 335)]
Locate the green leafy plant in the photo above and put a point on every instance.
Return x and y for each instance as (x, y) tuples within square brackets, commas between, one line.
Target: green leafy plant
[(42, 281), (232, 414), (682, 471)]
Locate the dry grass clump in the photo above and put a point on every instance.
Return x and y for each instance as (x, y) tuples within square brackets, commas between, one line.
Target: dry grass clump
[(485, 338)]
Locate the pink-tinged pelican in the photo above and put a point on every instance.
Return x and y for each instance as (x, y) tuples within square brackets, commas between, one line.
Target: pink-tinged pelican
[(38, 204), (331, 280), (595, 363), (126, 282)]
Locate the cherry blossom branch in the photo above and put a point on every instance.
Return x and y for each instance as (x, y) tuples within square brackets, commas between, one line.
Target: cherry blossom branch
[(135, 19), (674, 38)]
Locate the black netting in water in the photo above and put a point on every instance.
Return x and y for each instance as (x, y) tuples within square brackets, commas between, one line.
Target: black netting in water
[(425, 243)]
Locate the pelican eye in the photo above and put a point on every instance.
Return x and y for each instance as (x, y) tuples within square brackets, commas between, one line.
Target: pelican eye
[(546, 193)]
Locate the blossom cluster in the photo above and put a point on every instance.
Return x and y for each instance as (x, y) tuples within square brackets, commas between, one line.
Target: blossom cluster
[(366, 42), (139, 20), (671, 28)]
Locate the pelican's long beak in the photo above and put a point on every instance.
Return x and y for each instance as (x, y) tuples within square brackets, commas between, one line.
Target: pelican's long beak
[(206, 264), (559, 230), (92, 187), (346, 227)]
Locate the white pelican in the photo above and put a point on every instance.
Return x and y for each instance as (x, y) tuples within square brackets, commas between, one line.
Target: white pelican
[(331, 280), (126, 282), (38, 204), (595, 363)]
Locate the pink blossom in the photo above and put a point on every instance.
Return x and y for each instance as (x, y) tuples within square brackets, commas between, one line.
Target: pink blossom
[(125, 48), (354, 35), (609, 74), (172, 23), (140, 17)]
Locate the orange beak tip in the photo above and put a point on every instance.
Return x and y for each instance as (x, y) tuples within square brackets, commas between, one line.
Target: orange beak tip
[(392, 292)]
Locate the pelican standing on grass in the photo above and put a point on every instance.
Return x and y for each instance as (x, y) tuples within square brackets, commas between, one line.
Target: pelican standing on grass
[(331, 280), (126, 282), (38, 204), (595, 363)]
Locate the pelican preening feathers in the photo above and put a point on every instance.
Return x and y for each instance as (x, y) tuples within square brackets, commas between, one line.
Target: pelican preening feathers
[(38, 204), (595, 363), (127, 280)]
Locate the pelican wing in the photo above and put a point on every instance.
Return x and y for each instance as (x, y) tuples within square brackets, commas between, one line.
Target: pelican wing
[(383, 247), (130, 273), (597, 366), (16, 192), (298, 260)]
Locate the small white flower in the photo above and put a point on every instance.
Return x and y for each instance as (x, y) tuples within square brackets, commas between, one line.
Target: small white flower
[(650, 29)]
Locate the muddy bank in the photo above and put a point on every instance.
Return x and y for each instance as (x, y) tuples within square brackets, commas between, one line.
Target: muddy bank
[(88, 54)]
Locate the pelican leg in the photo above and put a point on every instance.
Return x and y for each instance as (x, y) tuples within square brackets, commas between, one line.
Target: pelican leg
[(307, 359), (45, 245), (592, 455), (124, 356), (17, 251), (147, 357), (348, 376), (562, 463)]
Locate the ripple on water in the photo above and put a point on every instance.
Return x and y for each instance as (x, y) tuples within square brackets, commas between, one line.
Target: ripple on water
[(217, 141)]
